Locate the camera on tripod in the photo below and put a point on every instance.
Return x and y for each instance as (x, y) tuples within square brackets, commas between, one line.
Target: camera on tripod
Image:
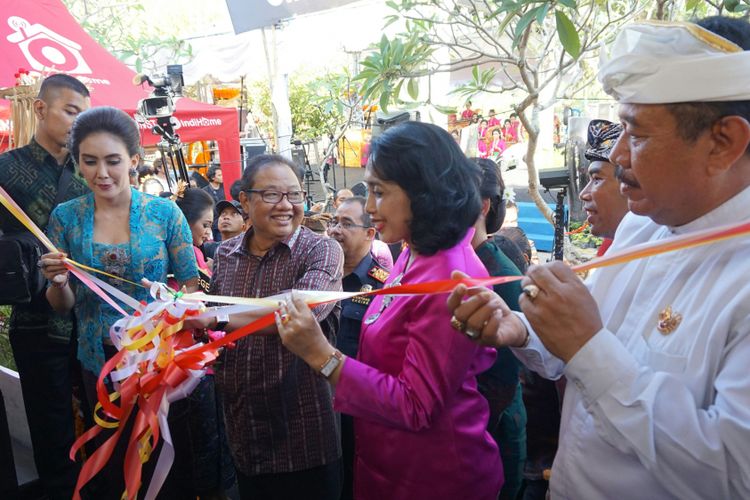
[(159, 106), (160, 103)]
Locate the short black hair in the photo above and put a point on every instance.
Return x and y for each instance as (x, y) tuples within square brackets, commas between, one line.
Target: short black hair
[(61, 81), (512, 251), (425, 161), (194, 202), (143, 171), (366, 219), (694, 118), (105, 119), (491, 188), (212, 171), (234, 190), (514, 114), (509, 237), (257, 163)]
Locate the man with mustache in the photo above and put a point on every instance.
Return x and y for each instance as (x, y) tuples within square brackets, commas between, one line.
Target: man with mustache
[(655, 351), (602, 201)]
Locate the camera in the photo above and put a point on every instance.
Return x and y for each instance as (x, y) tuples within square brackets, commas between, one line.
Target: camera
[(156, 107), (160, 104)]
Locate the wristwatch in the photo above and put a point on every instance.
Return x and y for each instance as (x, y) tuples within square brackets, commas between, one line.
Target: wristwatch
[(221, 322), (333, 362)]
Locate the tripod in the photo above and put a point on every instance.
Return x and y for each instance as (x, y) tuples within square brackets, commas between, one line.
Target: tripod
[(170, 148), (561, 223), (309, 176)]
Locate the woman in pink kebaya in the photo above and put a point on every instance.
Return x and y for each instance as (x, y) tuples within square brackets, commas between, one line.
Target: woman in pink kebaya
[(419, 420), (497, 146)]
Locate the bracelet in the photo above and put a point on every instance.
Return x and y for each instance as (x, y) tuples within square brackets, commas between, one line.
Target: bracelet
[(61, 285), (526, 341)]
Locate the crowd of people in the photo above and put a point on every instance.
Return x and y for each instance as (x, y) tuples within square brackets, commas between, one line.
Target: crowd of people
[(486, 137), (628, 385)]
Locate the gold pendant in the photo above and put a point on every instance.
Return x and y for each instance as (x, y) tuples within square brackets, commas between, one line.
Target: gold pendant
[(668, 321)]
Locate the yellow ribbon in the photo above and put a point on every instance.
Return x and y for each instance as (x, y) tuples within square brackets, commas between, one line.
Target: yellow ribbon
[(100, 421)]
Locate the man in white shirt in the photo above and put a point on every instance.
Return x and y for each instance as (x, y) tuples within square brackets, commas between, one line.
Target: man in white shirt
[(655, 351)]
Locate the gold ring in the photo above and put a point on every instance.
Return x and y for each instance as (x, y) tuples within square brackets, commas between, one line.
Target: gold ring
[(457, 324), (531, 291), (284, 319)]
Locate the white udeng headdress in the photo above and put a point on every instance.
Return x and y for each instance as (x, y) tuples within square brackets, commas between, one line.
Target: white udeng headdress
[(660, 63)]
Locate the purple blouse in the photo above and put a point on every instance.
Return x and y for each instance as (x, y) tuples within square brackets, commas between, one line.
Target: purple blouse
[(419, 421)]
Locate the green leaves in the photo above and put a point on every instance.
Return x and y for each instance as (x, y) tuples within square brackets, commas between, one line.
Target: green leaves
[(398, 61), (319, 105), (384, 99), (126, 31), (731, 5), (566, 32), (568, 3), (481, 81), (525, 21), (413, 88), (446, 110), (736, 6), (393, 63)]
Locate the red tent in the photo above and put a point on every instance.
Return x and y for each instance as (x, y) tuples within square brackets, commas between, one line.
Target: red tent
[(42, 36)]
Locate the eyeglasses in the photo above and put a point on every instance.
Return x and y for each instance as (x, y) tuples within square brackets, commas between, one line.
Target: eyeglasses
[(274, 197), (344, 224)]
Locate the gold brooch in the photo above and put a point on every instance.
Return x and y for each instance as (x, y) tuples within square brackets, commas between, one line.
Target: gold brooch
[(668, 321)]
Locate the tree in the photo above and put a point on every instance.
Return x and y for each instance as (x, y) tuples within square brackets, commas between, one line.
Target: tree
[(324, 106), (317, 108), (317, 104), (673, 9), (536, 49), (124, 29)]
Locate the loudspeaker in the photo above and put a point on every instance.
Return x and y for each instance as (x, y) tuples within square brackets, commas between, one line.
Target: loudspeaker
[(386, 121), (250, 149), (298, 157), (555, 178)]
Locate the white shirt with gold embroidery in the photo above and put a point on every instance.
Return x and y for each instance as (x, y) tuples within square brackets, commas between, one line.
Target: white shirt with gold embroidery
[(660, 414)]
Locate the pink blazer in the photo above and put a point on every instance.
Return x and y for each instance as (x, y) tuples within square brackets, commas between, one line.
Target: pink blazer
[(419, 421)]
